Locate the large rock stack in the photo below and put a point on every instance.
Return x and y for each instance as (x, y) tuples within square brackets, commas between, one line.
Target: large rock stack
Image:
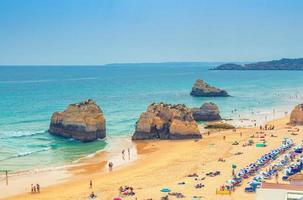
[(202, 89), (166, 122), (296, 116), (207, 112), (83, 121)]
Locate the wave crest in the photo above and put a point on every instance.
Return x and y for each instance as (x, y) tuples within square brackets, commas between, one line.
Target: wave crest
[(19, 134), (26, 153)]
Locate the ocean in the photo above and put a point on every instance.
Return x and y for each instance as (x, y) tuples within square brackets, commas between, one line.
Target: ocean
[(30, 94)]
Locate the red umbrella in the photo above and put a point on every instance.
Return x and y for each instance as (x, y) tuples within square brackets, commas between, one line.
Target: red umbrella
[(117, 198)]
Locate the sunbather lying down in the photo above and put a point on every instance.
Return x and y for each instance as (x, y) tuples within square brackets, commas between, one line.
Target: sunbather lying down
[(192, 175), (176, 194), (165, 198), (221, 160), (212, 174), (92, 196), (127, 191), (199, 185)]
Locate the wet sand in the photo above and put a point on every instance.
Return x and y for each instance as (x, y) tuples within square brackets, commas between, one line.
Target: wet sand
[(165, 164)]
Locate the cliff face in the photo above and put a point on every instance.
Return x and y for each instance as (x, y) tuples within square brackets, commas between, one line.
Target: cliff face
[(296, 116), (202, 89), (83, 121), (166, 122), (207, 112)]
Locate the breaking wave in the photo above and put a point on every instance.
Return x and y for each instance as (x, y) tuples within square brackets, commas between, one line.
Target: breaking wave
[(26, 153)]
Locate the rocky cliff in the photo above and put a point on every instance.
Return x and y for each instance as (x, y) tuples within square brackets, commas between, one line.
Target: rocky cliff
[(166, 122), (202, 89), (296, 116), (207, 112), (83, 121)]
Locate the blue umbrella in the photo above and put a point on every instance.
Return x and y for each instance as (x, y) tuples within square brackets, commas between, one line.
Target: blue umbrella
[(165, 190)]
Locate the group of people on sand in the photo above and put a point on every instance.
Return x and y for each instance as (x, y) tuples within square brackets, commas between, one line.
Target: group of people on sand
[(35, 188), (111, 164), (92, 194), (127, 191), (267, 127), (123, 153), (221, 159)]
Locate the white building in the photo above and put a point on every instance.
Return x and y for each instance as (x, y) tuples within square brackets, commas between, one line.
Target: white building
[(277, 191)]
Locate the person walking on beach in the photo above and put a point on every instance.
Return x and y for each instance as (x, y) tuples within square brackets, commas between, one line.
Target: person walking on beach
[(90, 184), (128, 150), (32, 188), (38, 188), (110, 166), (277, 177), (123, 154)]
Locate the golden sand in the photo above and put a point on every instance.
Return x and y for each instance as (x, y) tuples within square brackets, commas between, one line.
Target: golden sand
[(167, 163)]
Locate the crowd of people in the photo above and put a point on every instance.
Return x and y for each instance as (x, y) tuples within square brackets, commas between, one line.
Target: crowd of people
[(35, 188), (254, 168)]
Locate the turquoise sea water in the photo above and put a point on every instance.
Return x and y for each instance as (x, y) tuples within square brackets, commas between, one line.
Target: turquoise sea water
[(30, 94)]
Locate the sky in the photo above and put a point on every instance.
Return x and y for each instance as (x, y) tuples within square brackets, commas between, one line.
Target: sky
[(94, 32)]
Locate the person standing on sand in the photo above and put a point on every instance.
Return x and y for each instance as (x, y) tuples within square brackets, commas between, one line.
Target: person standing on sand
[(277, 177), (123, 154), (224, 137), (38, 187), (32, 188), (110, 166), (90, 184), (128, 150)]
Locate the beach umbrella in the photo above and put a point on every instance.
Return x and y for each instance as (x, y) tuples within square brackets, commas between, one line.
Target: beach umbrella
[(165, 190), (230, 181), (117, 198)]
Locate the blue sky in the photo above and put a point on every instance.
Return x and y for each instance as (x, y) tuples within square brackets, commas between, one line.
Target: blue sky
[(112, 31)]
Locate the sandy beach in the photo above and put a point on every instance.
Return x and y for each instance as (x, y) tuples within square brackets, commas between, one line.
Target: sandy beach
[(161, 164), (151, 100)]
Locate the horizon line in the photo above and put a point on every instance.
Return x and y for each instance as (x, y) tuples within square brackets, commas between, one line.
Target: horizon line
[(133, 63)]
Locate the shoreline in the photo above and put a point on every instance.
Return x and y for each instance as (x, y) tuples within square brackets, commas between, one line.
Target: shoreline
[(159, 157), (50, 176)]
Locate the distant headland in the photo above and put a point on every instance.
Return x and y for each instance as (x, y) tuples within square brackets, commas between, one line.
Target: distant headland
[(282, 64)]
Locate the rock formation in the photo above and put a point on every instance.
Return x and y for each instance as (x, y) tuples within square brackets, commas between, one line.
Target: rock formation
[(219, 125), (82, 121), (296, 116), (207, 112), (166, 122), (202, 89)]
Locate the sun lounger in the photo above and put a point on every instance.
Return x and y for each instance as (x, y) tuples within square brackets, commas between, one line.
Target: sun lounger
[(250, 189)]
